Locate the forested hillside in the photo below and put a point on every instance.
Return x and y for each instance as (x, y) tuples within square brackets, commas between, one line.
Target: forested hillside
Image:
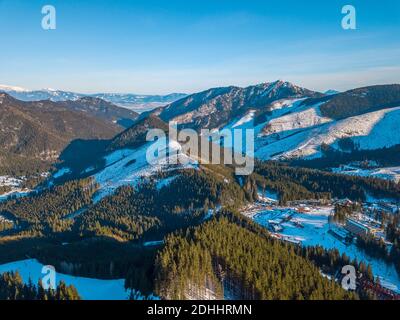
[(250, 265), (293, 183), (132, 213), (361, 100), (102, 109)]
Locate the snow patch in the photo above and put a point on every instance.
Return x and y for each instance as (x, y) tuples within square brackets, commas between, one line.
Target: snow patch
[(165, 182), (61, 172), (88, 288)]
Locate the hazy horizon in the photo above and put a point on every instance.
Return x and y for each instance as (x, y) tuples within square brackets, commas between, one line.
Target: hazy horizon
[(88, 92)]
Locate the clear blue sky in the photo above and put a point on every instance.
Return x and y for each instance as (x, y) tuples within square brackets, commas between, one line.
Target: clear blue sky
[(161, 46)]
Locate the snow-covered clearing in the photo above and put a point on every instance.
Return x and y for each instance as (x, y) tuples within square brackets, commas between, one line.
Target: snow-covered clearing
[(153, 243), (278, 109), (61, 172), (306, 117), (211, 212), (301, 133), (165, 182), (268, 196), (88, 288), (129, 166)]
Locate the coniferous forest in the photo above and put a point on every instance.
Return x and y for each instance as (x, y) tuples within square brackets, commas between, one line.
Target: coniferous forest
[(227, 256), (13, 288)]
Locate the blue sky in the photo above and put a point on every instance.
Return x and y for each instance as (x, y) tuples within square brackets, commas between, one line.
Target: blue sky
[(162, 46)]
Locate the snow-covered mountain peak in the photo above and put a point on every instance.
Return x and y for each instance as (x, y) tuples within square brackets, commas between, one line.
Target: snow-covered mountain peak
[(12, 88)]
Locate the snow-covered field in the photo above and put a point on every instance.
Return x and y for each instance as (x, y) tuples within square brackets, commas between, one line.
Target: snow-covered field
[(304, 117), (311, 228), (88, 288), (296, 130), (390, 173)]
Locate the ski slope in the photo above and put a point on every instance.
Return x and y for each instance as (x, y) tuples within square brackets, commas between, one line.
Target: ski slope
[(302, 134), (389, 173)]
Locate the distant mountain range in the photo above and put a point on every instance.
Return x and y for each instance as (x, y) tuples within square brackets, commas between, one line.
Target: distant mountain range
[(135, 102), (290, 122)]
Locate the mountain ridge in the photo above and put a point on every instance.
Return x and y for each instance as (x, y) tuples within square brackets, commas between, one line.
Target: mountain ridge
[(215, 107), (293, 122), (135, 102), (36, 132)]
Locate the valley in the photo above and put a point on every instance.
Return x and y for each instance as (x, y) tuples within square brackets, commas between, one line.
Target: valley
[(118, 227), (219, 157)]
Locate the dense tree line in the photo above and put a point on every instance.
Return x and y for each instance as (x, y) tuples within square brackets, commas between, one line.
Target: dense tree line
[(378, 248), (126, 214), (17, 166), (345, 210), (103, 259), (45, 210), (374, 247), (13, 288), (132, 212), (58, 201)]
